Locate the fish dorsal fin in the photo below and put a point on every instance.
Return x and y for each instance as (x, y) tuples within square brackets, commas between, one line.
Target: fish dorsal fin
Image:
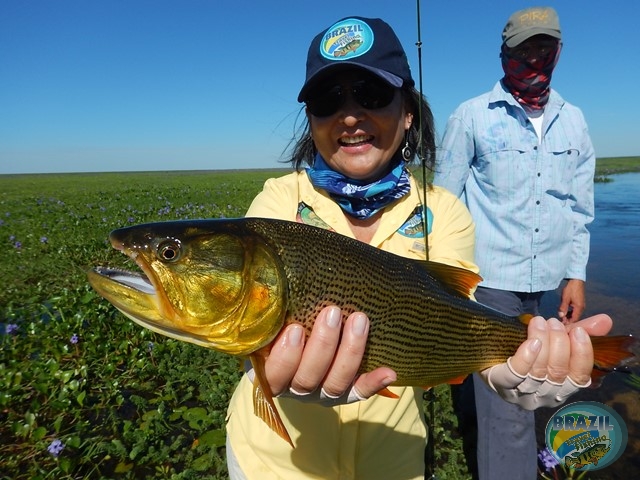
[(458, 281), (263, 405)]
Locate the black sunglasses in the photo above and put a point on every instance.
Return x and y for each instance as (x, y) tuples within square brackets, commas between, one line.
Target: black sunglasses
[(371, 94)]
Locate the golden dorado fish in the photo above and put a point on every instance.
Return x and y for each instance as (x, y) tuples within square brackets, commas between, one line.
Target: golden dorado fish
[(232, 285)]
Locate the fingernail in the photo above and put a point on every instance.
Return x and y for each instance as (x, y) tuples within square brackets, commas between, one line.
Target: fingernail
[(333, 317), (539, 323), (535, 345), (359, 325), (294, 336), (555, 324), (580, 334), (388, 381)]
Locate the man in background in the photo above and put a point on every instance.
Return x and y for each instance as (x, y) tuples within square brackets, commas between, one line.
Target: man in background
[(521, 158)]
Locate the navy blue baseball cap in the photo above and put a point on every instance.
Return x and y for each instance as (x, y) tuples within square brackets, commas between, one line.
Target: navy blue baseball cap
[(367, 43)]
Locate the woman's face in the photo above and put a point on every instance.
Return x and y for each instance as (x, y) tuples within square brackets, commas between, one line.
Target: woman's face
[(354, 140)]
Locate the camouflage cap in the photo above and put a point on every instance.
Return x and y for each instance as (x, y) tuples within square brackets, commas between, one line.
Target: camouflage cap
[(526, 23)]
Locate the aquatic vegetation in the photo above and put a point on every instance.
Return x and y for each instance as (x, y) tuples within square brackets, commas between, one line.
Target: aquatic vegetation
[(84, 393)]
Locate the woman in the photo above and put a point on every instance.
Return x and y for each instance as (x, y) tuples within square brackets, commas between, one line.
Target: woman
[(363, 128)]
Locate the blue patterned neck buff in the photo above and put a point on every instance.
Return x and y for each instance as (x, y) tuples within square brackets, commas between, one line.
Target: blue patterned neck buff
[(356, 198)]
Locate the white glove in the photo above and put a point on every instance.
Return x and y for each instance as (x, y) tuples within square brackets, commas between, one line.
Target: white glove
[(319, 397), (527, 391)]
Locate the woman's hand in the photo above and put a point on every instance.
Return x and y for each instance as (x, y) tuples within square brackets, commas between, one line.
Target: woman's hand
[(324, 369), (552, 364)]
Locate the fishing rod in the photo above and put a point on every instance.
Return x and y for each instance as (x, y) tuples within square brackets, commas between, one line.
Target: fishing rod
[(428, 395), (420, 152)]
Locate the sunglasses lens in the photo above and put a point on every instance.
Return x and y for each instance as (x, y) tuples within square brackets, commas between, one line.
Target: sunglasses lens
[(325, 102), (371, 94)]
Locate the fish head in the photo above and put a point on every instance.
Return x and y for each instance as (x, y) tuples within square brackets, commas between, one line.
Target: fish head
[(207, 282)]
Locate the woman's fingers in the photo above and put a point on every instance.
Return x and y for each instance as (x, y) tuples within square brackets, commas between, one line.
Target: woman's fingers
[(595, 326), (283, 360), (368, 384), (581, 361), (560, 352), (319, 351), (349, 355), (564, 351), (539, 329), (328, 363)]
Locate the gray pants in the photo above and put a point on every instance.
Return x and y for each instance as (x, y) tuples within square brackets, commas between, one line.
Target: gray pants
[(235, 472), (499, 437)]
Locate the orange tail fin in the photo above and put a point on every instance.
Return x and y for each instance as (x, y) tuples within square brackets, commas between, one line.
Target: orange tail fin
[(613, 353)]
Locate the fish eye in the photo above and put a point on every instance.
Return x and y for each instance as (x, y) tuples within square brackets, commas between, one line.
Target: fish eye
[(168, 250)]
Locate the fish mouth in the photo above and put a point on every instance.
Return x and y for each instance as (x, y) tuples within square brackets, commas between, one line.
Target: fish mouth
[(135, 280), (138, 298)]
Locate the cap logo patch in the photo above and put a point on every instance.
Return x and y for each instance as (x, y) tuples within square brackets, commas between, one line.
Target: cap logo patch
[(346, 39), (534, 17)]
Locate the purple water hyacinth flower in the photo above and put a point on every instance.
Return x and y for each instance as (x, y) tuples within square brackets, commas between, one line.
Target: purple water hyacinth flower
[(11, 328), (74, 338), (548, 461), (12, 238), (44, 239), (55, 447), (18, 245)]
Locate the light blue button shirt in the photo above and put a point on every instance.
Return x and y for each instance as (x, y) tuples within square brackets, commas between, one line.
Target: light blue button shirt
[(531, 200)]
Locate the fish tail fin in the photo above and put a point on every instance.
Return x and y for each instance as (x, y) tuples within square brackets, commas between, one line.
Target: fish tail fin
[(616, 351), (263, 405), (613, 353)]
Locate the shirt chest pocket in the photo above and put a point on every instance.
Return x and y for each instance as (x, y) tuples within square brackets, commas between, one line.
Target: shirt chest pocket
[(503, 163), (561, 159)]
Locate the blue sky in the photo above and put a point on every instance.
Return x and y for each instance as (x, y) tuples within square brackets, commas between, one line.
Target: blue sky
[(138, 85)]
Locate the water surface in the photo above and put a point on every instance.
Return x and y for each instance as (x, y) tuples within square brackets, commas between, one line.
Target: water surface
[(613, 287)]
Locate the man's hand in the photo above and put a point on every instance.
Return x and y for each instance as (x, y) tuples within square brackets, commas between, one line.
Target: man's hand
[(572, 301)]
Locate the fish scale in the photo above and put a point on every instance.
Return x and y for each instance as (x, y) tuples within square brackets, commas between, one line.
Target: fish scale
[(420, 323)]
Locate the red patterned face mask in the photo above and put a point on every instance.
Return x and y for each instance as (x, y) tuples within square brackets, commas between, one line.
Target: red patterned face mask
[(529, 83)]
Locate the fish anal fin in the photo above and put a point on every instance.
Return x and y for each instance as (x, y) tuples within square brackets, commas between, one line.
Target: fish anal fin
[(458, 281), (385, 392), (457, 380), (525, 318), (263, 404)]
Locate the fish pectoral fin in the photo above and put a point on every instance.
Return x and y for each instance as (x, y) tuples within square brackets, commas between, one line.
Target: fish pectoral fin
[(263, 404), (456, 280), (385, 392)]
